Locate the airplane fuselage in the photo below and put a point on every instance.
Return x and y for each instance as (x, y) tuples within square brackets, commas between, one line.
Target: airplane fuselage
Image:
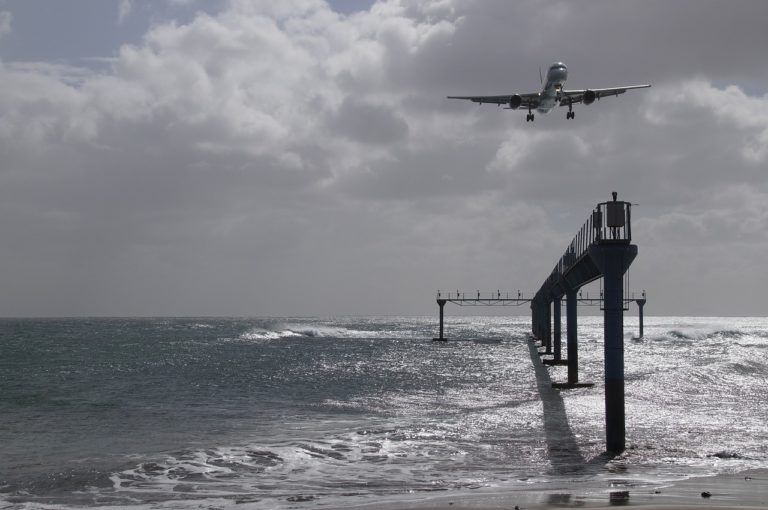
[(549, 97)]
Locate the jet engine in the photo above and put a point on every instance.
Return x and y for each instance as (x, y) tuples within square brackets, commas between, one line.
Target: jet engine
[(589, 96), (515, 102)]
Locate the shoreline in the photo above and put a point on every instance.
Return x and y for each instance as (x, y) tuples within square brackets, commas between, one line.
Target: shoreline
[(743, 490)]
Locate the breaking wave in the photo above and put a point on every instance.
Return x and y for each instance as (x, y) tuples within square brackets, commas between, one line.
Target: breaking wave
[(264, 334), (296, 471), (282, 331)]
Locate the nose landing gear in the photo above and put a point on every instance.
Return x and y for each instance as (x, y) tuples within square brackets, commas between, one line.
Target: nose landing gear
[(529, 117)]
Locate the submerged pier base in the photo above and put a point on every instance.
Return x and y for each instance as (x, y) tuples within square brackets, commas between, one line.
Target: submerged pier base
[(441, 304), (613, 260), (557, 336), (572, 342)]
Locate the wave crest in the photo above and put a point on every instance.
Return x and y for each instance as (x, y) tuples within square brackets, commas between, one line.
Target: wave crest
[(282, 331)]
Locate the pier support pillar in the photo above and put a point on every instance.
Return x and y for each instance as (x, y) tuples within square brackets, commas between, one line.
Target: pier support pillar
[(441, 304), (557, 333), (557, 342), (613, 260), (640, 305), (572, 339), (548, 328)]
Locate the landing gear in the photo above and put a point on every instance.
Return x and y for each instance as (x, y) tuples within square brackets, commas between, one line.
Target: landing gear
[(530, 117), (570, 115)]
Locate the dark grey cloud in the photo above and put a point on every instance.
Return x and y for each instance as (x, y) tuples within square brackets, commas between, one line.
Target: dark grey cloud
[(498, 46), (300, 158)]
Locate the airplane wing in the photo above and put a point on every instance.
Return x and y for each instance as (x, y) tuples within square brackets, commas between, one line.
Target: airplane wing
[(586, 96), (527, 100)]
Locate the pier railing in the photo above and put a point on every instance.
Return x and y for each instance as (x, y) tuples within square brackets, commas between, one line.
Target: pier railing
[(460, 295), (610, 222)]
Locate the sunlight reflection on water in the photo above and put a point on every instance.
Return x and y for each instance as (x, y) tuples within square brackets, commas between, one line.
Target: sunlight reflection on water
[(362, 407)]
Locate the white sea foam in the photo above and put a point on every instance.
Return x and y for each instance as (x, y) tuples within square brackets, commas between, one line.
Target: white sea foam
[(291, 330), (293, 414), (271, 475), (262, 334)]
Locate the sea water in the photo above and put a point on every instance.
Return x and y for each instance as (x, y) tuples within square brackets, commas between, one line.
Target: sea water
[(326, 413)]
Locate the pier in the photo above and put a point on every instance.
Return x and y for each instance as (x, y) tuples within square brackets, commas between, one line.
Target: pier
[(477, 299), (602, 248)]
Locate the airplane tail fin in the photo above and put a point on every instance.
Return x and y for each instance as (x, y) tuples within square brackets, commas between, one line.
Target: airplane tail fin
[(541, 77)]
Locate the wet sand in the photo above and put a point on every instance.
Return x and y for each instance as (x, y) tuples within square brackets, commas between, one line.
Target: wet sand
[(748, 489)]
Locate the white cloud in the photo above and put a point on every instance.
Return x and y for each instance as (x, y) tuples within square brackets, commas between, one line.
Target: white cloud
[(124, 8), (736, 213), (280, 145), (6, 18), (745, 117), (234, 111)]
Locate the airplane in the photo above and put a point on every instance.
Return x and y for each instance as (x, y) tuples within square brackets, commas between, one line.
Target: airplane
[(551, 95)]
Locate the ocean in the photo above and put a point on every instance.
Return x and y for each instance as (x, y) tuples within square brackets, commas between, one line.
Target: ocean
[(339, 412)]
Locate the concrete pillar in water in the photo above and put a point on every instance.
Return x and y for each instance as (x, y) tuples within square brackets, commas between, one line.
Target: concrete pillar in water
[(572, 339), (539, 320), (548, 328), (557, 338), (441, 304), (640, 305), (557, 333), (613, 260)]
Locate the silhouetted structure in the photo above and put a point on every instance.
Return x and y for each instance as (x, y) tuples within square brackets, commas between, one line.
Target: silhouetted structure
[(477, 299), (601, 249)]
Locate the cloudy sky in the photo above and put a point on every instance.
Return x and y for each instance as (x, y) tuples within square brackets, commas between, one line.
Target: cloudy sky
[(246, 157)]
